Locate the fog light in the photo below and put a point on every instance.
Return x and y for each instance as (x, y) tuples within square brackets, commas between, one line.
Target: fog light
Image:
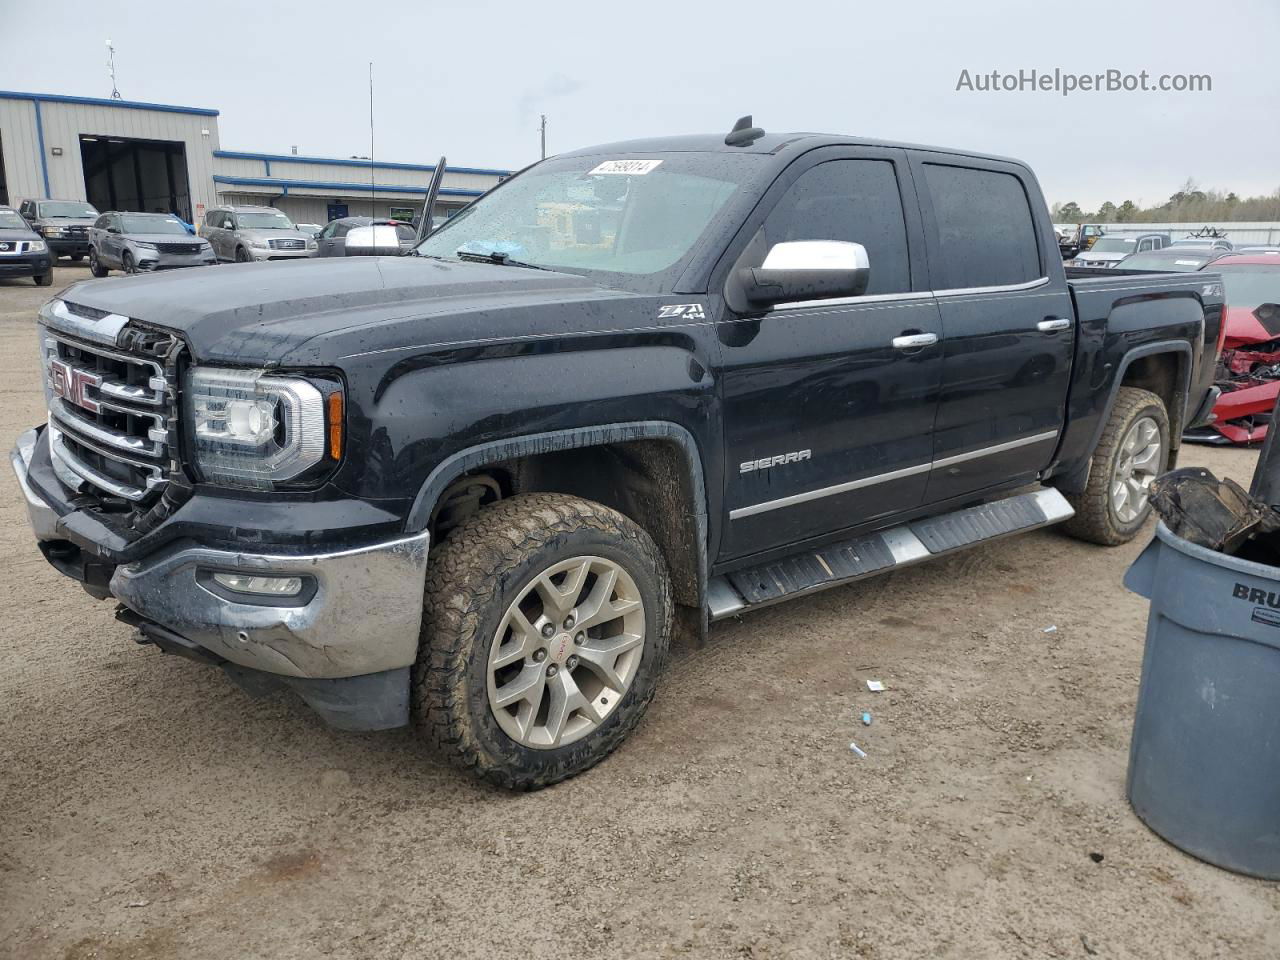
[(266, 586)]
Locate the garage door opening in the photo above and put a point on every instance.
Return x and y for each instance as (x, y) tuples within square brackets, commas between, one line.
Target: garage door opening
[(148, 176)]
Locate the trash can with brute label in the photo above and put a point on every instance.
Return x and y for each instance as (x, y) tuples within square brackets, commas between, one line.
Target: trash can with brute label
[(1204, 763)]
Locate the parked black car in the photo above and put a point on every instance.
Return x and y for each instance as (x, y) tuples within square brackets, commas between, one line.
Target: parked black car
[(387, 237), (63, 224), (22, 252), (654, 383)]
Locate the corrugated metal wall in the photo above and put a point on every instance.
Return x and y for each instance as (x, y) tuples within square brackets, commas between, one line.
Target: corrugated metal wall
[(1239, 232), (21, 150), (63, 123)]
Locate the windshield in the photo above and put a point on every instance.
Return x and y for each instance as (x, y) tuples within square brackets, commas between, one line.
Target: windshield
[(11, 221), (263, 221), (1180, 264), (1113, 245), (1249, 286), (631, 222), (67, 208), (137, 224)]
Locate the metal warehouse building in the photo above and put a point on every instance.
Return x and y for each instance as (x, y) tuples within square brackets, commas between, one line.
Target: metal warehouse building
[(124, 155)]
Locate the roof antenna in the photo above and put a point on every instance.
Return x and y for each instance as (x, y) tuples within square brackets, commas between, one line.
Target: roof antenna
[(743, 133)]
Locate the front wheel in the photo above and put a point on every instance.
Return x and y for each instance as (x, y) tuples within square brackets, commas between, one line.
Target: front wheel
[(95, 265), (127, 264), (1132, 452), (545, 630), (44, 279)]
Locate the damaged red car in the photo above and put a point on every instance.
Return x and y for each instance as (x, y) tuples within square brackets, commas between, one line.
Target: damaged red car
[(1249, 365)]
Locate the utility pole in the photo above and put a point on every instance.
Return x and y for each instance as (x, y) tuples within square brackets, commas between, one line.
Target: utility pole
[(544, 136), (111, 70), (373, 189)]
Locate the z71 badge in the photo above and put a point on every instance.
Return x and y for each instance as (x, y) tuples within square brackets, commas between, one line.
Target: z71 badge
[(687, 311)]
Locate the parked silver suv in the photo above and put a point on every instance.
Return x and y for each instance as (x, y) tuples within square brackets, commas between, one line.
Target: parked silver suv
[(244, 234), (134, 242)]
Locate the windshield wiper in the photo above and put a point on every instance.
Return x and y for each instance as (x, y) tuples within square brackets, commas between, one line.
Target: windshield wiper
[(495, 256)]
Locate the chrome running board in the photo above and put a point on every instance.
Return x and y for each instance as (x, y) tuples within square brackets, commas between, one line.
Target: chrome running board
[(840, 563)]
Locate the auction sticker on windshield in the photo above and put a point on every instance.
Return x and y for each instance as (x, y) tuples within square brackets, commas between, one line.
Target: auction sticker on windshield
[(632, 168)]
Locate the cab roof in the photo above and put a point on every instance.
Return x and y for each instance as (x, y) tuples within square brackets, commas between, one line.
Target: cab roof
[(779, 144)]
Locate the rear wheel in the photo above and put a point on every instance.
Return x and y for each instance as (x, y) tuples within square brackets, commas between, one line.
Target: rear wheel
[(126, 262), (546, 628), (77, 257), (1133, 451), (95, 267)]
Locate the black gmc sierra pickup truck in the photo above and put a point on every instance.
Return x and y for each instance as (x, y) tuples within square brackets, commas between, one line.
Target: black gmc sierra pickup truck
[(658, 383)]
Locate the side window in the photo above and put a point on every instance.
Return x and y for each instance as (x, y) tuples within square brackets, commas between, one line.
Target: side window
[(854, 200), (102, 223), (342, 229), (229, 221), (327, 232), (986, 233)]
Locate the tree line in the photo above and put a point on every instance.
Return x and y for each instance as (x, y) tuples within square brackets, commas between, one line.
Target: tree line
[(1187, 204)]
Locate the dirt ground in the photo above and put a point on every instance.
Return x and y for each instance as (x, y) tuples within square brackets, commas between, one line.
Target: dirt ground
[(148, 809)]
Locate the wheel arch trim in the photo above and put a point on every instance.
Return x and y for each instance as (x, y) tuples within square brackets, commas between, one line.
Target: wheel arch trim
[(1077, 479), (470, 458)]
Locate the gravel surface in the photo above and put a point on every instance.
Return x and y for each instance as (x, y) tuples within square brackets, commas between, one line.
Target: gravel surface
[(148, 809)]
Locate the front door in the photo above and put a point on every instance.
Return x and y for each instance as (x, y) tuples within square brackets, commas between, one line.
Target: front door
[(1007, 325), (828, 421)]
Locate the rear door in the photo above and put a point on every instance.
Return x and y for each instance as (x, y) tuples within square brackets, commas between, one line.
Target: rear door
[(828, 423), (1007, 324)]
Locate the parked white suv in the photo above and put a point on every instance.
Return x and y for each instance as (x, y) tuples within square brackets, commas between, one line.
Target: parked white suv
[(245, 234)]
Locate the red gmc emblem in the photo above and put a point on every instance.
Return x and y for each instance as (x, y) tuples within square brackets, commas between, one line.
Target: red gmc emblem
[(70, 384)]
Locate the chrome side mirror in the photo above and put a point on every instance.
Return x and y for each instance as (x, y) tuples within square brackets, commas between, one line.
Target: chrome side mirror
[(803, 270)]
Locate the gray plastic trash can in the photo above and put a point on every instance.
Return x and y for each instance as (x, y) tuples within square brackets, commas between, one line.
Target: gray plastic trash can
[(1204, 764)]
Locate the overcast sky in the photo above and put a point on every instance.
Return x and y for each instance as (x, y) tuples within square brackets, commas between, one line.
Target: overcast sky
[(469, 80)]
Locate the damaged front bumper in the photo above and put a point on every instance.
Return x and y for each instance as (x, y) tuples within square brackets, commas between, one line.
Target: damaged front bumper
[(345, 640)]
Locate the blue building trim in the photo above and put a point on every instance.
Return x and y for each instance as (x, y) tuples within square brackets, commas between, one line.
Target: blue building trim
[(44, 159), (338, 186), (339, 162), (98, 102)]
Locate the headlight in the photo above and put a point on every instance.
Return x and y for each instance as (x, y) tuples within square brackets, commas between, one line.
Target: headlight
[(312, 245), (36, 246), (260, 244), (144, 246), (254, 429), (53, 231)]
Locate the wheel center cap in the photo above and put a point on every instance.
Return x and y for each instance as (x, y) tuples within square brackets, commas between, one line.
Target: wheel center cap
[(560, 647)]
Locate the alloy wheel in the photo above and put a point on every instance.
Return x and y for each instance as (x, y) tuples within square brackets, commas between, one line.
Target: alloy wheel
[(566, 652), (1137, 462)]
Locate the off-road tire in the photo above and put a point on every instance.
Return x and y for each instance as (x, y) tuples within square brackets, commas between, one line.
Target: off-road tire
[(95, 266), (472, 577), (1095, 519), (43, 279)]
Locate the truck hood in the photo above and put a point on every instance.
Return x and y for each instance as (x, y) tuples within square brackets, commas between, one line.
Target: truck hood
[(17, 233), (255, 313)]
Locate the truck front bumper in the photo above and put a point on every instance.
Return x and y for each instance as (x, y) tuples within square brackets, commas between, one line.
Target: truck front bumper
[(354, 625)]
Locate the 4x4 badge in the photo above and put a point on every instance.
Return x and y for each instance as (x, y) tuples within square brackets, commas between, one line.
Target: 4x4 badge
[(687, 311)]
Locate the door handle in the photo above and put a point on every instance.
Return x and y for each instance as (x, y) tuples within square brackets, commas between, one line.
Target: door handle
[(1053, 324), (914, 341)]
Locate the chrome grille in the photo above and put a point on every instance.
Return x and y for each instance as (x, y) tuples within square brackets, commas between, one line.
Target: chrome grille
[(284, 244), (109, 416)]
